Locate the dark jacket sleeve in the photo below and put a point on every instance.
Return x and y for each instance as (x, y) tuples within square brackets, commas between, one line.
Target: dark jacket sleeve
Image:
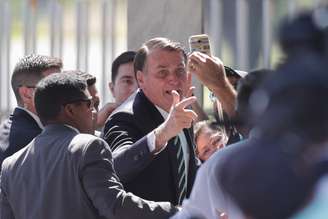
[(131, 153), (106, 192)]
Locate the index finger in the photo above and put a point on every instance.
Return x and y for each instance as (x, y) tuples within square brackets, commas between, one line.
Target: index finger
[(186, 102)]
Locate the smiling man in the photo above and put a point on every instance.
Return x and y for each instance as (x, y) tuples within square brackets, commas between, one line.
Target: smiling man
[(149, 134)]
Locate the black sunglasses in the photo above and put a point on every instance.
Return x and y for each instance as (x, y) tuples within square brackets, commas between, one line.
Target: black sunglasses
[(87, 100)]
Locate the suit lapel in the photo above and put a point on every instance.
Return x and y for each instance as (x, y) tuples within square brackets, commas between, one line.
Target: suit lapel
[(146, 114)]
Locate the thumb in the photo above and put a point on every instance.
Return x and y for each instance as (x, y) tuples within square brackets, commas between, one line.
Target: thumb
[(176, 97)]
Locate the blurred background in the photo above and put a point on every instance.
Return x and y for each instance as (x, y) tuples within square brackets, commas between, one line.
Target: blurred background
[(89, 34)]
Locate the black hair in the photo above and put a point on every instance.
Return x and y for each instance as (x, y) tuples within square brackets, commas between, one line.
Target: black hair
[(54, 91), (125, 57), (90, 79)]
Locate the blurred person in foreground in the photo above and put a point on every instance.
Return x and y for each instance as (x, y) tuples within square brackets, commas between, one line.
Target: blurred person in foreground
[(278, 171), (24, 124), (298, 97), (66, 172)]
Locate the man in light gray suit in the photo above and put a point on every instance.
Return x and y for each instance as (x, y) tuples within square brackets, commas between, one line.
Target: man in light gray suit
[(64, 173)]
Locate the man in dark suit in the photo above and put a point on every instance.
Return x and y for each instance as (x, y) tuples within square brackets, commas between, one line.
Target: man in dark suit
[(149, 134), (23, 125), (67, 173)]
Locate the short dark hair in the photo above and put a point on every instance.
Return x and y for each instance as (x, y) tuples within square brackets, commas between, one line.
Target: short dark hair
[(156, 43), (28, 71), (125, 57), (89, 78), (54, 91)]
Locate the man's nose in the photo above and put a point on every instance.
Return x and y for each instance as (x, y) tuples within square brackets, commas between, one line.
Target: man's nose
[(173, 78)]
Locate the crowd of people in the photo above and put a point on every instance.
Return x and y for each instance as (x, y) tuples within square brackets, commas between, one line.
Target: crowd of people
[(154, 153)]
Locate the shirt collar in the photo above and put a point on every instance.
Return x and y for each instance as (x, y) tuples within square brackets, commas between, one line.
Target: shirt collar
[(71, 127), (35, 117), (162, 112)]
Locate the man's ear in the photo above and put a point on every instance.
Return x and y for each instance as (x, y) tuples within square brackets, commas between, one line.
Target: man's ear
[(26, 94), (69, 111), (140, 78), (111, 88)]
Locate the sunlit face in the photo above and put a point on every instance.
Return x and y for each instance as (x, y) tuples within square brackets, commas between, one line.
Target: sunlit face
[(208, 142), (163, 72), (85, 114), (96, 101), (125, 83)]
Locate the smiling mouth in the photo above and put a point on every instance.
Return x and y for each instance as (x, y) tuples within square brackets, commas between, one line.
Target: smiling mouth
[(170, 92)]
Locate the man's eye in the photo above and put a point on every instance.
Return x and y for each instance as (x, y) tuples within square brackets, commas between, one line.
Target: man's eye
[(181, 72), (162, 73)]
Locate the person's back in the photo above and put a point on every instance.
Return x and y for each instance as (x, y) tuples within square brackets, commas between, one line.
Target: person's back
[(56, 149)]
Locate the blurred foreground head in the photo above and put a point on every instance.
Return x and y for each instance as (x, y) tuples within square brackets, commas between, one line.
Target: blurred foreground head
[(305, 33)]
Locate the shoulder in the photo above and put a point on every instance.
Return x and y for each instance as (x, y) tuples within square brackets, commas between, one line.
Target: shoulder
[(91, 148), (23, 122), (84, 140), (127, 105), (87, 142), (124, 115), (10, 162)]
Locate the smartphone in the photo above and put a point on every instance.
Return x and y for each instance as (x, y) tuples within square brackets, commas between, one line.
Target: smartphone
[(200, 43)]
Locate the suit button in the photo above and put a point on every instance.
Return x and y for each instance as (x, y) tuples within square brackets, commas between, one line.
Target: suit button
[(135, 157)]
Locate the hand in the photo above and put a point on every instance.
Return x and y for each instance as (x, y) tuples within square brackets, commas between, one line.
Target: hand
[(179, 118), (104, 113), (209, 70)]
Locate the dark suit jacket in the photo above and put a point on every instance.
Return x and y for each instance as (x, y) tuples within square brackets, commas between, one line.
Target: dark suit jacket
[(64, 174), (16, 132), (148, 176)]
